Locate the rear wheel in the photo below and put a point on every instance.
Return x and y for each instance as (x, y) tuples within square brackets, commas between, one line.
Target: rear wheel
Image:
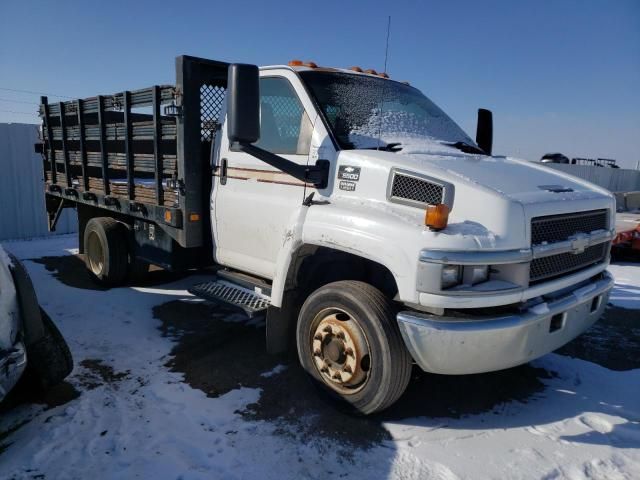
[(349, 342), (106, 255)]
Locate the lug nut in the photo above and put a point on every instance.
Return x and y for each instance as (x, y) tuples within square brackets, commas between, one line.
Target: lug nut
[(318, 336), (349, 352), (347, 369), (340, 335), (328, 329), (317, 353)]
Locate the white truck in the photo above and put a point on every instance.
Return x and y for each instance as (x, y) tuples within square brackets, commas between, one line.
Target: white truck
[(369, 227)]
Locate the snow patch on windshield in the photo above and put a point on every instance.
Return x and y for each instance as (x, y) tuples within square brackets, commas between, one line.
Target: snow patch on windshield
[(411, 130)]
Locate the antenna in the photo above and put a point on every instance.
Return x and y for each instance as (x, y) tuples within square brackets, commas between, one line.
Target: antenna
[(386, 57), (386, 50)]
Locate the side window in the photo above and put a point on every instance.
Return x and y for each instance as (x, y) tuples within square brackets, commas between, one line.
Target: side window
[(284, 125)]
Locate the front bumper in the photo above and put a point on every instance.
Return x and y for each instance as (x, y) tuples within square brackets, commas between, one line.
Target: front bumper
[(12, 365), (454, 346)]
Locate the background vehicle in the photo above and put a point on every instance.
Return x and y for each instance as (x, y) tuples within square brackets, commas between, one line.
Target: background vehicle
[(30, 344), (554, 158), (348, 206)]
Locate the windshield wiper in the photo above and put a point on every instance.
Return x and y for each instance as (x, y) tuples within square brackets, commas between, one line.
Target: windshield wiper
[(466, 147), (389, 147)]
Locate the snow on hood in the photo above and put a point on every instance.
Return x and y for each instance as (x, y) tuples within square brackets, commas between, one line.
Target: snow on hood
[(520, 180)]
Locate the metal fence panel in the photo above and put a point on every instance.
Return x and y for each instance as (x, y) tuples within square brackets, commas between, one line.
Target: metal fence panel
[(21, 186), (613, 179)]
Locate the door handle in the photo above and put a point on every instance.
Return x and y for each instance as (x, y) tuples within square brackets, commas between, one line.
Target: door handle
[(223, 172)]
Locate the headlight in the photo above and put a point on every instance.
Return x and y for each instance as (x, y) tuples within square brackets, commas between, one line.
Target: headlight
[(451, 275), (474, 274)]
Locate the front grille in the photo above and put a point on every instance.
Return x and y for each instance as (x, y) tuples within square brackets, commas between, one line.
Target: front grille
[(554, 266), (557, 228), (415, 189)]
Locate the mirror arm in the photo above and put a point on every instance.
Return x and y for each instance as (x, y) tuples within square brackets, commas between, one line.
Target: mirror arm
[(317, 174)]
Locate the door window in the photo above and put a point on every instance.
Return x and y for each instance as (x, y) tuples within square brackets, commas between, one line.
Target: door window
[(285, 127)]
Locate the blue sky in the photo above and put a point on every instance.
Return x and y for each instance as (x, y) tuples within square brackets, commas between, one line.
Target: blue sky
[(559, 75)]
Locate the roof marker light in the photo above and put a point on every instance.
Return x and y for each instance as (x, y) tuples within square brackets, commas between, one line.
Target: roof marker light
[(356, 69), (371, 71), (295, 63)]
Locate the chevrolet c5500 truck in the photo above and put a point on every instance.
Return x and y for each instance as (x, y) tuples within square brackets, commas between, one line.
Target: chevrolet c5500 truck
[(371, 230)]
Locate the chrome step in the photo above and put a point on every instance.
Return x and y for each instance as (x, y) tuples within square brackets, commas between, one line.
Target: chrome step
[(252, 301)]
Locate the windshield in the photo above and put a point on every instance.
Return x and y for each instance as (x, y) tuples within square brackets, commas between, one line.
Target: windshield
[(370, 112)]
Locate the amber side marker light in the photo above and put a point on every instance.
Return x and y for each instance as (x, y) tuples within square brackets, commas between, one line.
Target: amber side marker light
[(437, 216), (167, 216)]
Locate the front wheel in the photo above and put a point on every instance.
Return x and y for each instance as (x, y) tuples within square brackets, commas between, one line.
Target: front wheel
[(349, 342)]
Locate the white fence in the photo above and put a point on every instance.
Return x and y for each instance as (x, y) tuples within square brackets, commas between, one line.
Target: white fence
[(613, 179), (22, 211)]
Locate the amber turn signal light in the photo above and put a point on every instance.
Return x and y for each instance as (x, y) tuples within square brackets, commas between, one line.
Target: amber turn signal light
[(436, 216)]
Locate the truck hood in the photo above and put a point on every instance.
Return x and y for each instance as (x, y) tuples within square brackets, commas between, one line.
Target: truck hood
[(493, 195)]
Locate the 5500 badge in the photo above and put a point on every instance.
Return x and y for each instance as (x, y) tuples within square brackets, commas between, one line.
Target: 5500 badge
[(347, 172)]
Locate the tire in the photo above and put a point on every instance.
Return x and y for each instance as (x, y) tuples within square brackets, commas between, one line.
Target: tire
[(49, 360), (348, 328), (138, 270), (28, 301), (106, 253)]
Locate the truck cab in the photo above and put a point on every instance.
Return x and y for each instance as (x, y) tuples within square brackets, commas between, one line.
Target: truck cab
[(377, 234)]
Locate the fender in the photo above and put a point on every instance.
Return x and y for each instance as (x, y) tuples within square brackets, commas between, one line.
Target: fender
[(28, 302), (341, 227)]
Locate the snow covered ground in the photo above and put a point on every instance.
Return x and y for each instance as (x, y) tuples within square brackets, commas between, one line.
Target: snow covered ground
[(166, 386)]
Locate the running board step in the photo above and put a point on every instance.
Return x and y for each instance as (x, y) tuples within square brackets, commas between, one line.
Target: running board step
[(252, 301)]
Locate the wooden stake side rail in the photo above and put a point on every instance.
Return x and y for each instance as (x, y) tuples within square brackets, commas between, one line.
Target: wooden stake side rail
[(117, 161), (90, 140), (139, 153), (139, 99)]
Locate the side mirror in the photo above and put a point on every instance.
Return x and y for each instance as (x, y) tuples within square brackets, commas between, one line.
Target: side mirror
[(243, 126), (484, 131), (243, 104)]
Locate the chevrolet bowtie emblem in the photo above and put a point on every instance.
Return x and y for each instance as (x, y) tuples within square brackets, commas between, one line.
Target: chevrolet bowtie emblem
[(579, 242)]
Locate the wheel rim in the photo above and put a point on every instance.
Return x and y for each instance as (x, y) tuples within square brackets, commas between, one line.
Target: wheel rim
[(340, 350), (95, 252)]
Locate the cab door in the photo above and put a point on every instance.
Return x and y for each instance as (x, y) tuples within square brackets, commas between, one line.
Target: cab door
[(253, 204)]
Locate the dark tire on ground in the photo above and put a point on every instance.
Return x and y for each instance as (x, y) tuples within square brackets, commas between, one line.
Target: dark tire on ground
[(106, 253), (138, 270), (348, 329), (49, 360)]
